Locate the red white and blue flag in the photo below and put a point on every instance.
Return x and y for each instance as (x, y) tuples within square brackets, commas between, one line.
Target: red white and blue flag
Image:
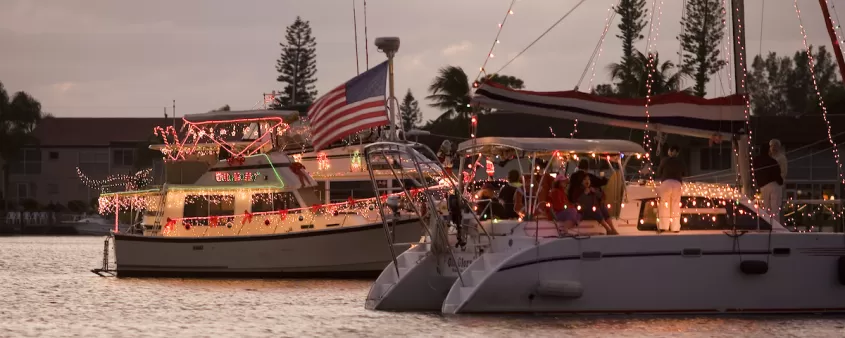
[(354, 106)]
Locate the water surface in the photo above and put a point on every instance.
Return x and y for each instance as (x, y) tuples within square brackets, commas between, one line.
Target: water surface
[(46, 289)]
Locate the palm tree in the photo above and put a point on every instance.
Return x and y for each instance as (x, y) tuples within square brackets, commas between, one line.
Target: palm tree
[(665, 78), (450, 93)]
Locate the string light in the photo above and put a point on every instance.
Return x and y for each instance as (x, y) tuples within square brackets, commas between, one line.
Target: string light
[(745, 96), (812, 65), (495, 42), (650, 69), (128, 182), (611, 14)]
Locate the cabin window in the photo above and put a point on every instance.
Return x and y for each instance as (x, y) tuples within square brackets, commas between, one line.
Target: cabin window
[(699, 213), (274, 201), (209, 205), (340, 191), (715, 158), (409, 184)]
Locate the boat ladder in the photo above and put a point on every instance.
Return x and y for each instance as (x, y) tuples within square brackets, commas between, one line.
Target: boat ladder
[(106, 270)]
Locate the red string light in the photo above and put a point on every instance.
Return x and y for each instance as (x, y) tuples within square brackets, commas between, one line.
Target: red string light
[(812, 65)]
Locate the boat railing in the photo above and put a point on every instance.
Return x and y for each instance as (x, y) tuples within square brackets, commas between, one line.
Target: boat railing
[(420, 157)]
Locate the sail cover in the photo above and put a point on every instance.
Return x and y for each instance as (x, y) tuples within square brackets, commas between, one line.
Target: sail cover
[(675, 113)]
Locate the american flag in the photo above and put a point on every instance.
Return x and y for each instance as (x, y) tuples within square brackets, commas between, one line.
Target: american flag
[(268, 98), (355, 105)]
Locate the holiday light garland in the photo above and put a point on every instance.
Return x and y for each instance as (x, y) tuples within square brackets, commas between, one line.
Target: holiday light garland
[(812, 65), (651, 68), (481, 69), (607, 21), (128, 182)]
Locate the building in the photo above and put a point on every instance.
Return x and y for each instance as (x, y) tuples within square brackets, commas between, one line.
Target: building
[(46, 171)]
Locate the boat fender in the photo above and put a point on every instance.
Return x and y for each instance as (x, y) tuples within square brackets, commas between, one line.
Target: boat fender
[(560, 288), (754, 267), (841, 263)]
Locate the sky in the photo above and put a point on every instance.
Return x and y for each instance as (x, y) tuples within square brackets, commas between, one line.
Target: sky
[(98, 58)]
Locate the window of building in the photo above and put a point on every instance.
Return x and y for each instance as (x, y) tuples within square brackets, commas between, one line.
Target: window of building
[(123, 157), (209, 205), (52, 189), (29, 163), (274, 201), (715, 158), (340, 191), (699, 213), (54, 155)]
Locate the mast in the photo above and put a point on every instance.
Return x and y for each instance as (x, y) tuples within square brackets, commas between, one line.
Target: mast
[(743, 156), (837, 49), (389, 46)]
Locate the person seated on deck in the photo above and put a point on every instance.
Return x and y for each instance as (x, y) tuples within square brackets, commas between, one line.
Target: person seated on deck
[(588, 199), (507, 193), (487, 204), (563, 211), (596, 183)]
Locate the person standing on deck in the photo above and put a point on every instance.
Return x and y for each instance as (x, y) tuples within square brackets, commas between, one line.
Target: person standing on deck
[(770, 180), (670, 172), (778, 153)]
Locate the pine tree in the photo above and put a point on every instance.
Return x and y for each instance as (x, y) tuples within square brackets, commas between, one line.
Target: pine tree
[(297, 65), (409, 111), (632, 15), (704, 28)]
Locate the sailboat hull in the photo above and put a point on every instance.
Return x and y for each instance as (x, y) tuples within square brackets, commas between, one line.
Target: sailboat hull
[(345, 252)]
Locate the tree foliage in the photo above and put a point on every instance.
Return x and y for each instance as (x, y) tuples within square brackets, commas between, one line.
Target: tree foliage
[(703, 30), (632, 16), (18, 117), (409, 112), (781, 85), (297, 65), (450, 92), (666, 79)]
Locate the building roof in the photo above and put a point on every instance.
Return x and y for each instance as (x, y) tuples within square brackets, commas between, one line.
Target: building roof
[(97, 131)]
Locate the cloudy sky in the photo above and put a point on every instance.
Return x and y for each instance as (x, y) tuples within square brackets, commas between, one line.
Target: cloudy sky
[(132, 58)]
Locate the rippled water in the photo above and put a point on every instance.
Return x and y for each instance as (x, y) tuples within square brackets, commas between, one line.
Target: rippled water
[(46, 289)]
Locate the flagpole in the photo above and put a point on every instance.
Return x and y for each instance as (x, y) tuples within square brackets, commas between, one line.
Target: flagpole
[(389, 46)]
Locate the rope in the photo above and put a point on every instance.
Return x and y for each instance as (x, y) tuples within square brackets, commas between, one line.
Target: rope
[(495, 41), (542, 35)]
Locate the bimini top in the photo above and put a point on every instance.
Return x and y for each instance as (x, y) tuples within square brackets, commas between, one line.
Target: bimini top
[(674, 113), (225, 116), (537, 144)]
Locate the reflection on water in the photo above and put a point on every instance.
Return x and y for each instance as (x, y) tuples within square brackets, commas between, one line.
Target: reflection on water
[(47, 290)]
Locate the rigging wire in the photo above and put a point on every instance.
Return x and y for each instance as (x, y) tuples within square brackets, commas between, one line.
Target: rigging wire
[(355, 23), (495, 41), (366, 41), (796, 150), (542, 35), (597, 51), (762, 22)]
